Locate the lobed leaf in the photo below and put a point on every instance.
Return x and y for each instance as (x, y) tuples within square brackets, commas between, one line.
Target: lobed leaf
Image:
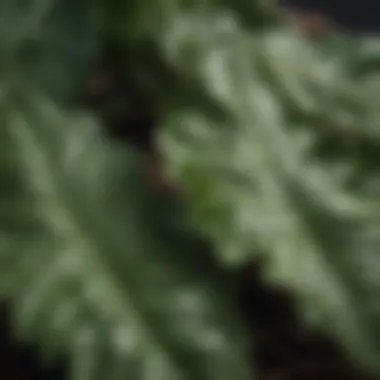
[(255, 188), (94, 265)]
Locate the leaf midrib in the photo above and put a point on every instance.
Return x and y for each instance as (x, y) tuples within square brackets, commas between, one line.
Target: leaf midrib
[(300, 227), (38, 162)]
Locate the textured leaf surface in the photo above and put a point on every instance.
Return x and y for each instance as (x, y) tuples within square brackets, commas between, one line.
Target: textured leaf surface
[(255, 188), (95, 266)]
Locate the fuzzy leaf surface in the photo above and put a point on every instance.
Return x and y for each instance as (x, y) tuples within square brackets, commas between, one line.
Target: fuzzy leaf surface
[(95, 266), (255, 188)]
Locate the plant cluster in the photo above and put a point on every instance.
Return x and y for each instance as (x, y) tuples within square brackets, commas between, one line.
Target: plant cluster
[(265, 147)]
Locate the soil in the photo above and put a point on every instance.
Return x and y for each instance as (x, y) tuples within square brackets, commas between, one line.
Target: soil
[(285, 348)]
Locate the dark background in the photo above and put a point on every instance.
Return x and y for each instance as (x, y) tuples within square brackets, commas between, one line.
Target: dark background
[(359, 16)]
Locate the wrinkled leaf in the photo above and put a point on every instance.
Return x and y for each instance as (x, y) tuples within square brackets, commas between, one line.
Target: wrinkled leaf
[(95, 266), (254, 187)]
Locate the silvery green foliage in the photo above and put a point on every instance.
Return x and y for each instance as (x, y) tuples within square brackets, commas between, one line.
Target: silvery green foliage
[(98, 267), (254, 183), (91, 264)]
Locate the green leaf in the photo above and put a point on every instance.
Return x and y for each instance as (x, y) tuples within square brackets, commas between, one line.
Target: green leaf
[(52, 42), (94, 264), (126, 20), (258, 14), (135, 19), (255, 188)]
